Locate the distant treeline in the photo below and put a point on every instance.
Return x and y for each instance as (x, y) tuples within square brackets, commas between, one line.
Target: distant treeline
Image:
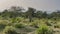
[(30, 13)]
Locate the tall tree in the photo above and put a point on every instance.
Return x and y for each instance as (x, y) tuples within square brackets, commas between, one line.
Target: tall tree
[(30, 12), (39, 14), (44, 15), (16, 11)]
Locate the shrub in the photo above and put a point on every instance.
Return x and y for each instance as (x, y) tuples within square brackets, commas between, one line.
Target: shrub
[(9, 30), (2, 26), (19, 25), (43, 30), (34, 25), (48, 23), (57, 26), (9, 24)]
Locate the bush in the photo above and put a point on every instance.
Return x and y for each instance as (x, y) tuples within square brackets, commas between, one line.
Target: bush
[(34, 25), (9, 30), (2, 26), (43, 30), (48, 23), (19, 25), (57, 26)]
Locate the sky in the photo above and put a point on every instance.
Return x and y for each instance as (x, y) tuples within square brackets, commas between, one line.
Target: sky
[(46, 5)]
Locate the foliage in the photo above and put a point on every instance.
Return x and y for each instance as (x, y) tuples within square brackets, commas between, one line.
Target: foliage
[(9, 30), (43, 30), (34, 25), (19, 25), (32, 18)]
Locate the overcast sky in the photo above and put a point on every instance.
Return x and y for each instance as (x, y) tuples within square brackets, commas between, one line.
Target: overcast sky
[(38, 4)]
